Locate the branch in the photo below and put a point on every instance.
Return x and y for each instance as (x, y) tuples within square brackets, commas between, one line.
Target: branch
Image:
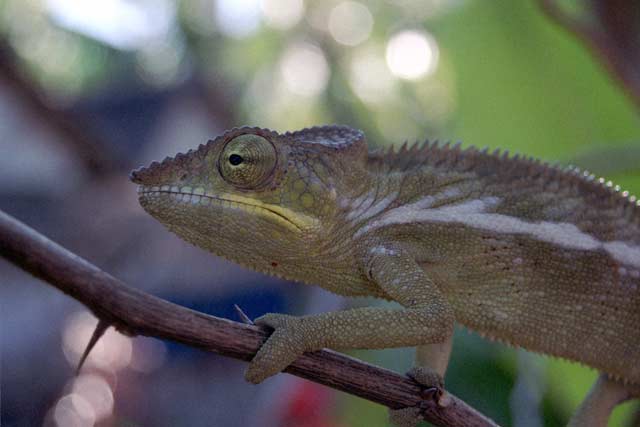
[(137, 312), (611, 35), (89, 148)]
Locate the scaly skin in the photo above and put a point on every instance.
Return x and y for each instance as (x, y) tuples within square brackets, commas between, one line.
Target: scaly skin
[(535, 256)]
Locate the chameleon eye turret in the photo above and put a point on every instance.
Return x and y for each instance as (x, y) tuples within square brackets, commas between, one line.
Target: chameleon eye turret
[(247, 161)]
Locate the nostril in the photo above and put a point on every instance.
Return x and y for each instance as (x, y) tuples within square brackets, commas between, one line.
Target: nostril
[(134, 175)]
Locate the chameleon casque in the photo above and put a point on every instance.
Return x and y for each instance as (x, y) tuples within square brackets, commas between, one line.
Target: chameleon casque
[(532, 255)]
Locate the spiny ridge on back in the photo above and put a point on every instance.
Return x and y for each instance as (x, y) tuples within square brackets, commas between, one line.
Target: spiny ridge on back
[(499, 164)]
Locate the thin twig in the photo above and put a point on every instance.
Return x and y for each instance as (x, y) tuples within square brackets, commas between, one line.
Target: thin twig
[(137, 312), (241, 314), (98, 332)]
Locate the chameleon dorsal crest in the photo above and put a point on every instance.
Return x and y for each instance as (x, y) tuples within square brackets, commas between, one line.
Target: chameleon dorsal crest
[(337, 138)]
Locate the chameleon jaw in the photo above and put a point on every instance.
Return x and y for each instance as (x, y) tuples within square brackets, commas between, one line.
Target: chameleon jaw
[(199, 197)]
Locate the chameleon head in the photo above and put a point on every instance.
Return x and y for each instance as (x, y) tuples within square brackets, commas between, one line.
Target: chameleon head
[(254, 196)]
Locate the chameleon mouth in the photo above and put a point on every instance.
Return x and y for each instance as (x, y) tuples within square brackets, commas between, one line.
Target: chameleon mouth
[(198, 197)]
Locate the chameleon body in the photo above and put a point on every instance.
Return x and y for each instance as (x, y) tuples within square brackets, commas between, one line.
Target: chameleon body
[(535, 256)]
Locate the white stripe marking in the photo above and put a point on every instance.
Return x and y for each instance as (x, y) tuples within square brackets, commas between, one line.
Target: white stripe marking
[(473, 213), (429, 201), (623, 252), (360, 205)]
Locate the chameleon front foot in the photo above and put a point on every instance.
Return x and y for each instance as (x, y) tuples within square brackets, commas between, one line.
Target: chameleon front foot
[(284, 346)]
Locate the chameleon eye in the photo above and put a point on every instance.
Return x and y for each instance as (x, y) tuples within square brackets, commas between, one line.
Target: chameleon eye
[(247, 161), (235, 159)]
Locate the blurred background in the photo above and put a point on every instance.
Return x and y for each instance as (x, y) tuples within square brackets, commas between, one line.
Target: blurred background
[(90, 90)]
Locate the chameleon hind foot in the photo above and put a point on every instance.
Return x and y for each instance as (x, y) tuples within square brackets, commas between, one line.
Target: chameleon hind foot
[(433, 384), (405, 417)]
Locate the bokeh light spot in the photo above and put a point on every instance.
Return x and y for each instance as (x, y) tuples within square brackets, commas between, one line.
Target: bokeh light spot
[(370, 78), (350, 23), (119, 23), (73, 410), (160, 63), (412, 54), (304, 69), (96, 392), (237, 18), (282, 14), (148, 354)]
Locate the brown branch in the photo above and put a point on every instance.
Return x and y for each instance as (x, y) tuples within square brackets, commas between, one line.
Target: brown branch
[(89, 148), (137, 312), (611, 35)]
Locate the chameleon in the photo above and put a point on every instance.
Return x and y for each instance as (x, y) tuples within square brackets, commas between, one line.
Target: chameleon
[(534, 255)]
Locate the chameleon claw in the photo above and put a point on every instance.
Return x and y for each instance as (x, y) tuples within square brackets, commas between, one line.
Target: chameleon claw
[(431, 393), (437, 395), (98, 332), (432, 385), (411, 416)]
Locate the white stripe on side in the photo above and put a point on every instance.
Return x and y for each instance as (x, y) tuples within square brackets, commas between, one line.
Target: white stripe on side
[(473, 213)]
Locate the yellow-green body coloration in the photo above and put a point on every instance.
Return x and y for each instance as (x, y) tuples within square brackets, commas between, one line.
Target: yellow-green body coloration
[(531, 255)]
